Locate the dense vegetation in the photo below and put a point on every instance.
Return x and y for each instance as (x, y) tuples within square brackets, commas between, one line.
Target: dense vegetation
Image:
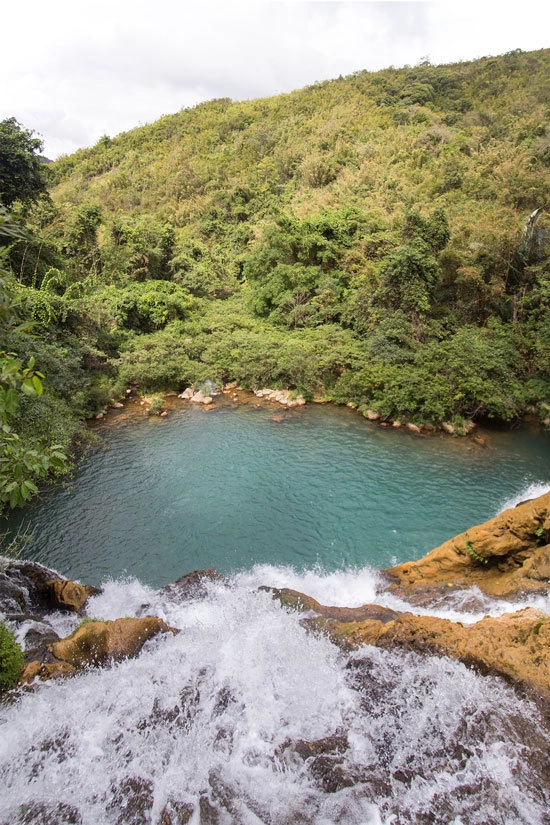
[(380, 239), (11, 657)]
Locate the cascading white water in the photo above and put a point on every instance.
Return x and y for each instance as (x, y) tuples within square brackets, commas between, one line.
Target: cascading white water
[(244, 718)]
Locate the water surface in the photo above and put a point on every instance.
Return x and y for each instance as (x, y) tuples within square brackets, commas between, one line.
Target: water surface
[(232, 488)]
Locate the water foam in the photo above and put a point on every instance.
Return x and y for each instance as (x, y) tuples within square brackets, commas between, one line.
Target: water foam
[(213, 719), (527, 492)]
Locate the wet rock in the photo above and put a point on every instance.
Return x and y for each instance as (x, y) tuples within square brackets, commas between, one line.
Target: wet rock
[(94, 643), (46, 670), (192, 585), (29, 587), (132, 800), (515, 646), (295, 600), (209, 814), (330, 774), (507, 556), (40, 813), (328, 745), (69, 595), (176, 813), (97, 642), (36, 635)]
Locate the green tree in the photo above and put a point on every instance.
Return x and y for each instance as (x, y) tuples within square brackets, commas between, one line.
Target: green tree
[(20, 465), (21, 170)]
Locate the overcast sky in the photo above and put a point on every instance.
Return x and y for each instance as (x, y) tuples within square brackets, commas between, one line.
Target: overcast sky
[(73, 70)]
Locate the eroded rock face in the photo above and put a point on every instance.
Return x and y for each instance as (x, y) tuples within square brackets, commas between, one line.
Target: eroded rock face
[(29, 587), (299, 601), (514, 645), (507, 556), (193, 585), (95, 643), (99, 642)]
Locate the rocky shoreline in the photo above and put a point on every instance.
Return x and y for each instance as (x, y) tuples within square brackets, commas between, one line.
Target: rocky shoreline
[(136, 405), (508, 556)]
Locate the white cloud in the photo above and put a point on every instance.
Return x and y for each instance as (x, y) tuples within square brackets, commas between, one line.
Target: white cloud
[(73, 71)]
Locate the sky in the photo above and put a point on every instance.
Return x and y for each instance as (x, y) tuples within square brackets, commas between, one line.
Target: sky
[(74, 70)]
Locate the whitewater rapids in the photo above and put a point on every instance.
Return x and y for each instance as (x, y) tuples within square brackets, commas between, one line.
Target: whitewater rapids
[(214, 724)]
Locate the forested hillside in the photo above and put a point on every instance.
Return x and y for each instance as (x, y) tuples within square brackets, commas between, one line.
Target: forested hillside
[(380, 239)]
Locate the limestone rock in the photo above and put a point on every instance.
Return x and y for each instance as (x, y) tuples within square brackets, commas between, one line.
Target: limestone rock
[(200, 398), (187, 394), (193, 585), (45, 671), (505, 557), (514, 645), (299, 601), (69, 595), (283, 397), (97, 642), (30, 588)]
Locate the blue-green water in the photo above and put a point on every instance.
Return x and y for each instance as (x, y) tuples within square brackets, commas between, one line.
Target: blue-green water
[(233, 488)]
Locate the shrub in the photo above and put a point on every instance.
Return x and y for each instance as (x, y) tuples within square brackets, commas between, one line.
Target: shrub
[(11, 657)]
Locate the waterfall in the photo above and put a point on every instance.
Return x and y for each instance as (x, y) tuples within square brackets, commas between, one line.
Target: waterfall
[(244, 718)]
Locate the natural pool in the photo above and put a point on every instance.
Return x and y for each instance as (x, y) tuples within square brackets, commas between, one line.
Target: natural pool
[(313, 487), (213, 725)]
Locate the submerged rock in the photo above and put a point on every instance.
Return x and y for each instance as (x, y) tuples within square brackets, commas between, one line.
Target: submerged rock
[(507, 556)]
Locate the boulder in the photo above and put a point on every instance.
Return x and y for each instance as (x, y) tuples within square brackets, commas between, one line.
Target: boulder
[(187, 394), (515, 646), (99, 642), (507, 557), (69, 595), (295, 600), (27, 587), (200, 398), (193, 585)]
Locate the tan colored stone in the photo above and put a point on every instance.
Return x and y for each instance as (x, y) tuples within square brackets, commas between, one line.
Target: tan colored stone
[(515, 645), (70, 595), (200, 398), (44, 671), (299, 601), (97, 642), (503, 557)]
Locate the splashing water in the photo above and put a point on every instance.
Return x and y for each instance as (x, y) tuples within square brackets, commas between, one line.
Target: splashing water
[(532, 490), (245, 718)]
